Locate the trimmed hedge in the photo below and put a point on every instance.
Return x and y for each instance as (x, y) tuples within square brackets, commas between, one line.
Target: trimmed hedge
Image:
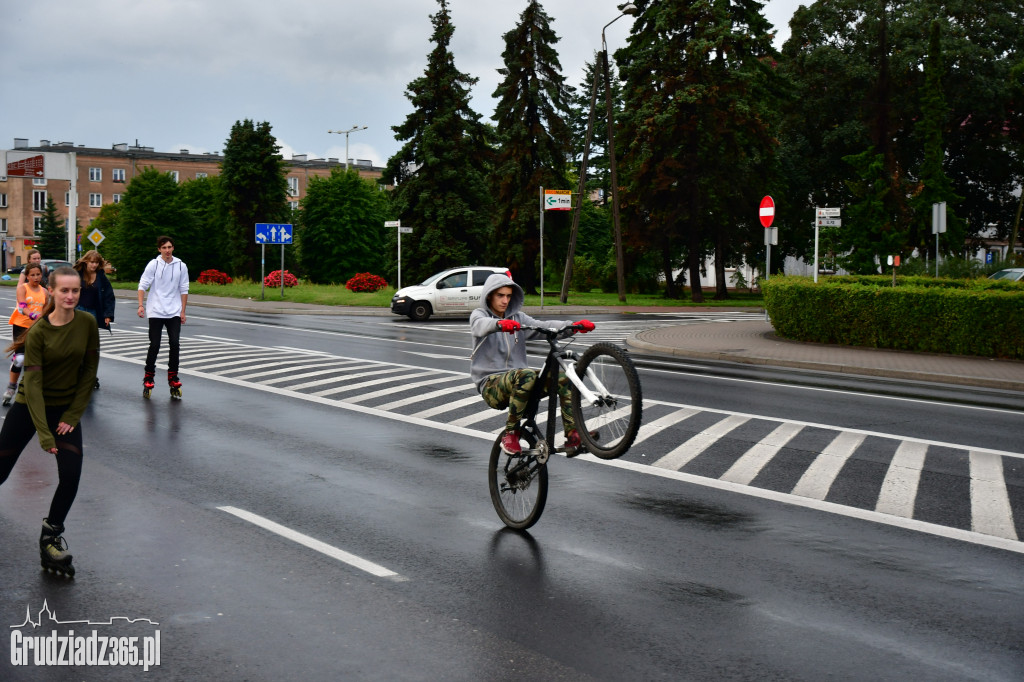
[(964, 317)]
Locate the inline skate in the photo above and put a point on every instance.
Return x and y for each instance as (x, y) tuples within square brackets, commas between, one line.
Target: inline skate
[(147, 384), (53, 554), (175, 384)]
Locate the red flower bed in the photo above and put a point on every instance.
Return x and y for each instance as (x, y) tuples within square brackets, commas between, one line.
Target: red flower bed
[(214, 277), (274, 279), (365, 282)]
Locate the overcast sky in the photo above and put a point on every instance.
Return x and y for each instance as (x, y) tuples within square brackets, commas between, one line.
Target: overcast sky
[(177, 74)]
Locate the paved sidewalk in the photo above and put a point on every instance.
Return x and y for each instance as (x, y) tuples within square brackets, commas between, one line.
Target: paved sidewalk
[(756, 343), (751, 342)]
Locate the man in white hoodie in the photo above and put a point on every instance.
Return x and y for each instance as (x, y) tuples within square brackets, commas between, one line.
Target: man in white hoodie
[(166, 279)]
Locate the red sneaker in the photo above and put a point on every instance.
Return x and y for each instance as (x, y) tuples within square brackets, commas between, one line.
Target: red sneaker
[(510, 443)]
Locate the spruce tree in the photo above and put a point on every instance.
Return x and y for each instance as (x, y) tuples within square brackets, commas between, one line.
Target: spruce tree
[(254, 190), (535, 142), (52, 235), (698, 99), (440, 171)]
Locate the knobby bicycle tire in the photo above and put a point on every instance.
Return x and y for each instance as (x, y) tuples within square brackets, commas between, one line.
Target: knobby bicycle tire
[(519, 487), (608, 430)]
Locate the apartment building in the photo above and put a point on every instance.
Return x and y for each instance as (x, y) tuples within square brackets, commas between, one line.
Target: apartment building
[(103, 175)]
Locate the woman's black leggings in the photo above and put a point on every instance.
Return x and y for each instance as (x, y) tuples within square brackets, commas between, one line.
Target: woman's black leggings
[(18, 430)]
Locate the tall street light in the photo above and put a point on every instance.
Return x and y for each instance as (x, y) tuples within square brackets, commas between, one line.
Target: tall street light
[(626, 9), (345, 133)]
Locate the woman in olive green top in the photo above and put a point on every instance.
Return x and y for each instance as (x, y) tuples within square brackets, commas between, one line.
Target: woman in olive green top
[(61, 357)]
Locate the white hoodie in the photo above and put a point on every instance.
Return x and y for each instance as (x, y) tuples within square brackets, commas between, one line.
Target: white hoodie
[(166, 282)]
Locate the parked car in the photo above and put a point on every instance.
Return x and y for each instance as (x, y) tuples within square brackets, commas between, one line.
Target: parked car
[(452, 291), (50, 263), (1010, 274)]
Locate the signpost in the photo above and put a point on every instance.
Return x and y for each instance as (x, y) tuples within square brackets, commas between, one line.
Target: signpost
[(550, 200), (766, 213), (826, 217), (401, 231), (272, 233), (938, 227)]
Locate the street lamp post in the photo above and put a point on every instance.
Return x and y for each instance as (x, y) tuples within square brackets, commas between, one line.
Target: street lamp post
[(345, 133), (626, 9)]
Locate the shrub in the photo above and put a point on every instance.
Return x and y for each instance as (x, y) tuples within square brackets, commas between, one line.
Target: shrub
[(274, 279), (365, 282), (214, 277)]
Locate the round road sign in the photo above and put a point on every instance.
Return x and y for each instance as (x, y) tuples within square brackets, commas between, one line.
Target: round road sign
[(767, 211)]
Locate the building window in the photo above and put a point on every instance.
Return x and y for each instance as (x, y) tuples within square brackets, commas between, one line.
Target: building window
[(3, 224), (95, 174), (116, 199), (95, 200), (201, 175), (174, 174), (293, 187), (67, 199), (39, 200), (3, 201), (39, 181), (37, 224), (118, 174), (294, 205)]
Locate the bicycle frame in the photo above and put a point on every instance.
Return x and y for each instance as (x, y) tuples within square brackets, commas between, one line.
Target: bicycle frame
[(558, 358)]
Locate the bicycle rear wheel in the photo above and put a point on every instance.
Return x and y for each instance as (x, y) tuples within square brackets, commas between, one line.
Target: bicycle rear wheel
[(608, 426), (519, 487)]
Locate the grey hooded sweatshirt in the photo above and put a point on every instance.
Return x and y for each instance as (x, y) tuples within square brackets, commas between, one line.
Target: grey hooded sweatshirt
[(497, 352)]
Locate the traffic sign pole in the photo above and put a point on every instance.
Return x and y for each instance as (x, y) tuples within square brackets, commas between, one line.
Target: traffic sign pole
[(542, 248)]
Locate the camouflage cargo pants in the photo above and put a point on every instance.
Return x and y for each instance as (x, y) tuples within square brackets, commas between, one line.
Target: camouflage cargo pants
[(512, 390)]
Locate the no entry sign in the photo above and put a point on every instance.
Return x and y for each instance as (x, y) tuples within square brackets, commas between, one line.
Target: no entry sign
[(767, 211)]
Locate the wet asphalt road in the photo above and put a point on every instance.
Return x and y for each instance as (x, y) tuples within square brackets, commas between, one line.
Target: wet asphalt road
[(628, 575)]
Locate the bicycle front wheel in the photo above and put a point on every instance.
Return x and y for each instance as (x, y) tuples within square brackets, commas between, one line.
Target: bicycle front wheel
[(608, 424), (519, 487)]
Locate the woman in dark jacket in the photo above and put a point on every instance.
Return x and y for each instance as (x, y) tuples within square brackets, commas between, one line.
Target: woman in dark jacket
[(97, 296)]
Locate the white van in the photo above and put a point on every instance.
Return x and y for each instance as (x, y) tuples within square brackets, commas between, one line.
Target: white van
[(455, 291)]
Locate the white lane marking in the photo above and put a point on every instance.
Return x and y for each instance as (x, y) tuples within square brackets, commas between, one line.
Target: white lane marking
[(314, 544), (216, 338), (746, 468), (437, 356), (990, 505), (899, 489), (819, 476), (434, 380), (699, 442)]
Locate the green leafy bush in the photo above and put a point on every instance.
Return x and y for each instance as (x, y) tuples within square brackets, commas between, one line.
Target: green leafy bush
[(965, 317)]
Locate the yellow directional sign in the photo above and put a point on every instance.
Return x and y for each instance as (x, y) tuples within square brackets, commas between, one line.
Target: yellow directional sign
[(96, 237)]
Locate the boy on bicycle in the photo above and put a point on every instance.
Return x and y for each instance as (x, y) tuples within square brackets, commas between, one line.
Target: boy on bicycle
[(498, 364)]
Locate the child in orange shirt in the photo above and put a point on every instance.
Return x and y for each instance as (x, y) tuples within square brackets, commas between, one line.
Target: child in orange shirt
[(31, 299)]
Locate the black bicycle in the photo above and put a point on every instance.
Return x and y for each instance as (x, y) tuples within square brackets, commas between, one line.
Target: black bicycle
[(606, 404)]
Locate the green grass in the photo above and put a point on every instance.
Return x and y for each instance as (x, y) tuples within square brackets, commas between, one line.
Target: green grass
[(337, 294)]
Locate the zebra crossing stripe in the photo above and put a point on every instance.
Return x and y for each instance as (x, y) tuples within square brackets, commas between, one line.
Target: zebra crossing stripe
[(899, 489), (747, 467), (320, 371), (447, 407), (433, 380), (662, 423), (699, 442), (819, 476), (990, 505)]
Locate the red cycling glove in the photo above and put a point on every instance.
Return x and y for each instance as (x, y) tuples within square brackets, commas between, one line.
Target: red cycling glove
[(510, 326), (584, 326)]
